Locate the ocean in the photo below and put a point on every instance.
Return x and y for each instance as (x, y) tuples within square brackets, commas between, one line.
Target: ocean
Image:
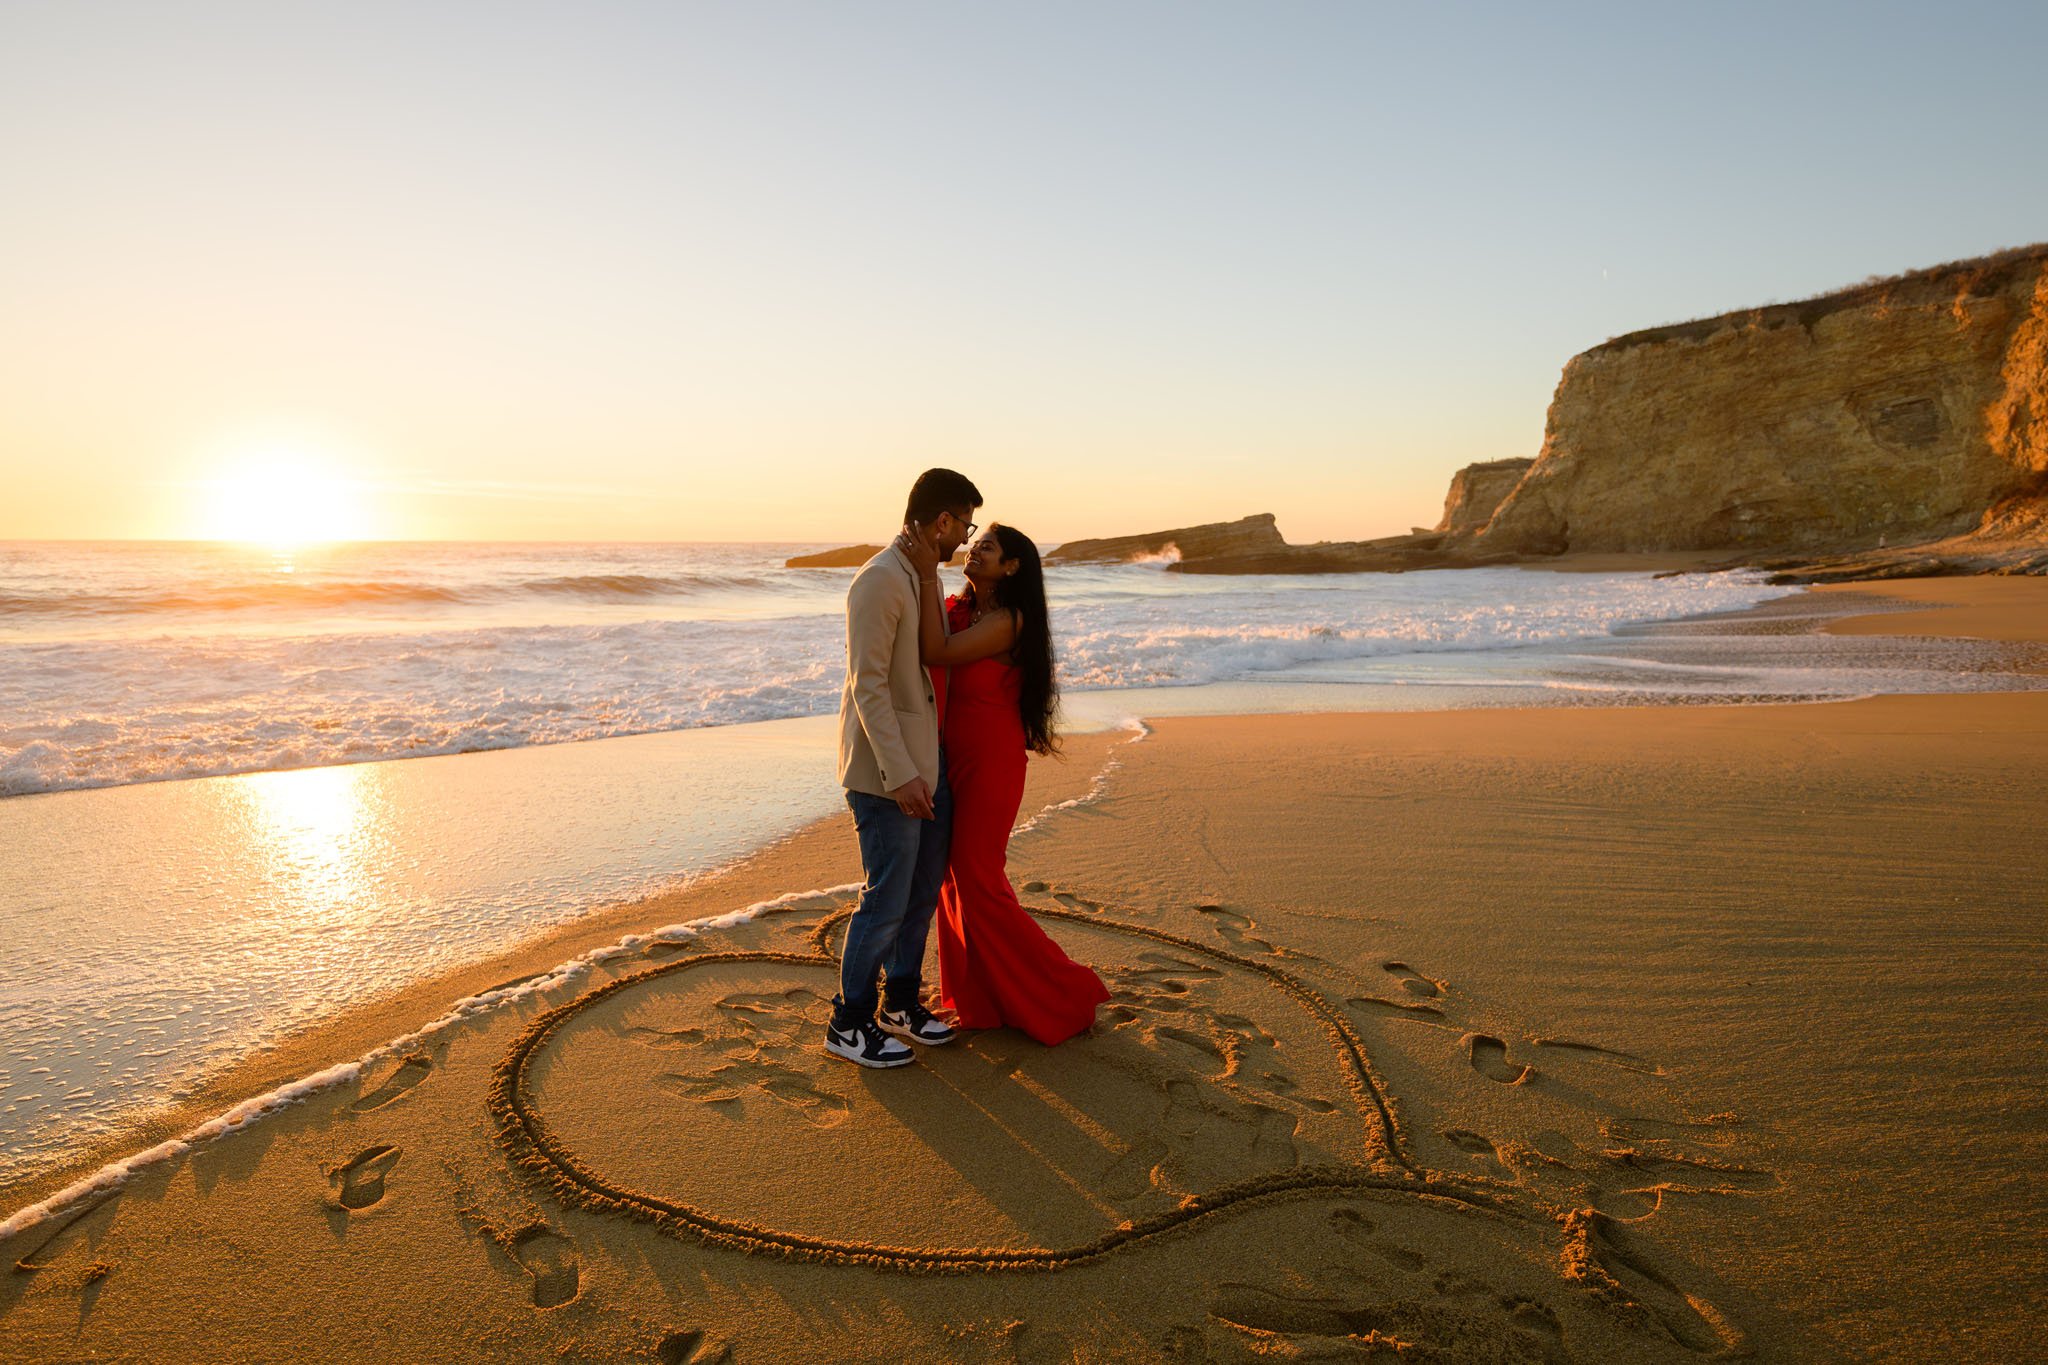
[(203, 849), (141, 663)]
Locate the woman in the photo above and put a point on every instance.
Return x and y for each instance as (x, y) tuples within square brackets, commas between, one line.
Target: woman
[(997, 968)]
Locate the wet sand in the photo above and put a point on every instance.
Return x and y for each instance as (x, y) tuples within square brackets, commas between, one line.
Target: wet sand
[(1623, 1034)]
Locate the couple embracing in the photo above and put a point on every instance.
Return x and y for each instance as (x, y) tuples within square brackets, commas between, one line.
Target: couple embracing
[(943, 699)]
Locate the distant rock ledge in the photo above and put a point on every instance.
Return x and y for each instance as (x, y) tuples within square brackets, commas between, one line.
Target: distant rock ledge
[(1219, 539), (847, 557), (850, 557)]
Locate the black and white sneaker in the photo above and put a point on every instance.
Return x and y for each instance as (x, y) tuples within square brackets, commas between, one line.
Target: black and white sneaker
[(866, 1044), (917, 1024)]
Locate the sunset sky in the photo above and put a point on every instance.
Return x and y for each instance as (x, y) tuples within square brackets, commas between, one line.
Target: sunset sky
[(737, 272)]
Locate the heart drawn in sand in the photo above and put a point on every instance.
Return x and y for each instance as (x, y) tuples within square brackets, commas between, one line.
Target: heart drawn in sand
[(693, 1096)]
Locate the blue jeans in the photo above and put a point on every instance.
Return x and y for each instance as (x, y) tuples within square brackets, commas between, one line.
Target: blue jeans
[(905, 861)]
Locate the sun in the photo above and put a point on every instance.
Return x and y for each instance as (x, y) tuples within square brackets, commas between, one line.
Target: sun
[(282, 498)]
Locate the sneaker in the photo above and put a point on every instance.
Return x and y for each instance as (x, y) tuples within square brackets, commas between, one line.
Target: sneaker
[(866, 1044), (917, 1024)]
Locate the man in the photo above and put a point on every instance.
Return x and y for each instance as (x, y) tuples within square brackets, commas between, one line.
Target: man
[(894, 771)]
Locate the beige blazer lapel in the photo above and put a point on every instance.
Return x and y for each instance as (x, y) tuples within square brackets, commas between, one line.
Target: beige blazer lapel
[(888, 721)]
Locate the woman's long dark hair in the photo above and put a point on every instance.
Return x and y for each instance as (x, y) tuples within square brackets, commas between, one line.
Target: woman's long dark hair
[(1023, 592)]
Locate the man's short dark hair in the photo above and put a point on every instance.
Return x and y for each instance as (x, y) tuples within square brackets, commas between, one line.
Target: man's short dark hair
[(939, 490)]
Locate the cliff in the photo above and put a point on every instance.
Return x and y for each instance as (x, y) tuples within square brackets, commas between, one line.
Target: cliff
[(1897, 428), (1477, 491), (1250, 535), (1903, 410)]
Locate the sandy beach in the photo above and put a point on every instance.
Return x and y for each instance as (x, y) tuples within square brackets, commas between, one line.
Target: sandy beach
[(1627, 1034)]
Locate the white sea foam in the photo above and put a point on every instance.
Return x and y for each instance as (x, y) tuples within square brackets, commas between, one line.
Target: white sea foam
[(388, 659), (1098, 788)]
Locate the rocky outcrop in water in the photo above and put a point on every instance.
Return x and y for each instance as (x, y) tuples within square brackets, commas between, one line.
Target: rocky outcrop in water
[(851, 557), (1222, 539)]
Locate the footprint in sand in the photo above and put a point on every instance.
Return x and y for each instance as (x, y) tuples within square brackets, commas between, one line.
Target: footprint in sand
[(689, 1347), (1465, 1140), (1531, 1315), (1167, 973), (1200, 1042), (817, 1108), (1076, 904), (359, 1183), (1412, 981), (1400, 1009), (550, 1259), (734, 1081), (1273, 1139), (1271, 1136), (1285, 1087), (1232, 928), (1037, 1345), (1490, 1059), (408, 1074), (1357, 1229), (1136, 1172)]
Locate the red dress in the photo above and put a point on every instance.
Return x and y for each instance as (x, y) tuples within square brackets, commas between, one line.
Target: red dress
[(997, 968)]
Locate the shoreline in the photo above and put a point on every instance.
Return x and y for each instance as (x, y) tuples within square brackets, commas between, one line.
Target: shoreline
[(1600, 748)]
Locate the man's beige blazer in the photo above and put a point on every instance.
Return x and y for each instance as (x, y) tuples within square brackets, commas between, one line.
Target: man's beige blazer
[(888, 723)]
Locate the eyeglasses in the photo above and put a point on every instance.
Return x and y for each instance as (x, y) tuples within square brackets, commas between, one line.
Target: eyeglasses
[(968, 533)]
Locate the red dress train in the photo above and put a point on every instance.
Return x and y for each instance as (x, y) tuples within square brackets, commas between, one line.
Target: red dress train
[(997, 968)]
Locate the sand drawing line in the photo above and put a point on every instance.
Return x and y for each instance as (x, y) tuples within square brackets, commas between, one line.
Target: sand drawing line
[(535, 1149)]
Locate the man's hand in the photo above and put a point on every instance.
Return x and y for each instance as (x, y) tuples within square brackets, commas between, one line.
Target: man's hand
[(920, 547), (914, 798)]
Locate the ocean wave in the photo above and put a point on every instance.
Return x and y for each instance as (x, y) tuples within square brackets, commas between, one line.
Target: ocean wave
[(114, 710), (635, 584), (287, 593), (274, 592)]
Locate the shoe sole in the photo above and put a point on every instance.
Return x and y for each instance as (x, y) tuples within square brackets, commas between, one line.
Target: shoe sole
[(859, 1060), (907, 1036)]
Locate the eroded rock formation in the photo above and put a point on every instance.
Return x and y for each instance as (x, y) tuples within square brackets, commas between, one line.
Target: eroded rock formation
[(1247, 536), (1897, 428), (1477, 491), (1901, 411)]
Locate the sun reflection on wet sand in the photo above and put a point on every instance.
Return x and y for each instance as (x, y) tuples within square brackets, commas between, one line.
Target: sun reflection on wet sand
[(312, 829), (157, 932)]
